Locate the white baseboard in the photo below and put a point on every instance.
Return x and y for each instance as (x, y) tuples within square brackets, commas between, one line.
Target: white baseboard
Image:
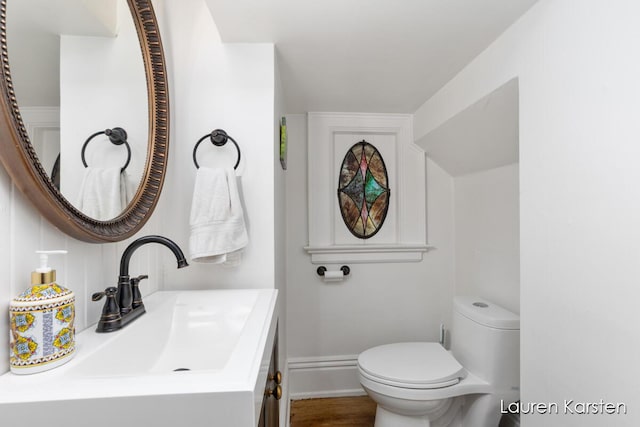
[(326, 376)]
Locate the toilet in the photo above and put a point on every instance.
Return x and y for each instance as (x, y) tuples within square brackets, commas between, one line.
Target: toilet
[(422, 384)]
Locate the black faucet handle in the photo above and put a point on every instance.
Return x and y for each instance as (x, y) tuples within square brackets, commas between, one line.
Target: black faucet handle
[(110, 291), (136, 280), (110, 310), (135, 291)]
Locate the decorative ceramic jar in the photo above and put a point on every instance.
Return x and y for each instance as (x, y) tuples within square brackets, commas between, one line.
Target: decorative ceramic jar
[(41, 327)]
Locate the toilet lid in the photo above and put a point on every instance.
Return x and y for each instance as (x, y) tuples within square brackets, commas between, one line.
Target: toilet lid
[(412, 365)]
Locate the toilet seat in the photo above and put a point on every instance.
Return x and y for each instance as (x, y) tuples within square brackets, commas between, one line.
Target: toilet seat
[(414, 365)]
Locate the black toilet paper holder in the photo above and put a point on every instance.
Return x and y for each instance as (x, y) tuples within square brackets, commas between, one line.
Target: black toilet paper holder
[(322, 269)]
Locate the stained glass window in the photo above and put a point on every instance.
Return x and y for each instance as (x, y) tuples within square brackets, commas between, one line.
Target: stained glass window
[(363, 190)]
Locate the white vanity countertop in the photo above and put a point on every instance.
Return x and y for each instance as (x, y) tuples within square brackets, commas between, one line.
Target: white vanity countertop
[(220, 335)]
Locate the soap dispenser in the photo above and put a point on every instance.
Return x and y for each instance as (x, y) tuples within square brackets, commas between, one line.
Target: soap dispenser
[(41, 320)]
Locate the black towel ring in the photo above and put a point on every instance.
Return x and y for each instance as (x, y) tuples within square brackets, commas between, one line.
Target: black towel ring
[(117, 136), (218, 138)]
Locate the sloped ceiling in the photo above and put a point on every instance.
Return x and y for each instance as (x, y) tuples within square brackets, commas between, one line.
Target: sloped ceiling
[(481, 137), (366, 55)]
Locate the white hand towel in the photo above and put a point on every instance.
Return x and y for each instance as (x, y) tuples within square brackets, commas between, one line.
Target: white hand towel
[(101, 193), (218, 232)]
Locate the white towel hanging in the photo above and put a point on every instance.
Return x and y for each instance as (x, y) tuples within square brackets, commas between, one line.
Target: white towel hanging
[(218, 232), (103, 193)]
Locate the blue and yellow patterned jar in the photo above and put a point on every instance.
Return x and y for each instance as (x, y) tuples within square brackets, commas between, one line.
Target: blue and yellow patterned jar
[(41, 321)]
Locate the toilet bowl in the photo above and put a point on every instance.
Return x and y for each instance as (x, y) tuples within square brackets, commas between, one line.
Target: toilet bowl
[(422, 384)]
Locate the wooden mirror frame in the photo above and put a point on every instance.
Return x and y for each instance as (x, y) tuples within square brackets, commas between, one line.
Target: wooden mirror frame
[(21, 161)]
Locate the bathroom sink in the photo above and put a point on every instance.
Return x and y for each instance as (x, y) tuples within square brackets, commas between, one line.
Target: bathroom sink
[(195, 355)]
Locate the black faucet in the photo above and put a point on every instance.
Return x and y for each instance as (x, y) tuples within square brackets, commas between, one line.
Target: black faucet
[(124, 304)]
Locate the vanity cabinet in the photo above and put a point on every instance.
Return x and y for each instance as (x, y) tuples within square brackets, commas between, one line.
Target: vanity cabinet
[(270, 412)]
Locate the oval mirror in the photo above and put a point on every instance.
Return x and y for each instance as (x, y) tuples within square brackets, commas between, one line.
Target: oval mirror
[(84, 132)]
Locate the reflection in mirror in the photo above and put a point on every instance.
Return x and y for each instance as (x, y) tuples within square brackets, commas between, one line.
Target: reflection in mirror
[(55, 172), (77, 69)]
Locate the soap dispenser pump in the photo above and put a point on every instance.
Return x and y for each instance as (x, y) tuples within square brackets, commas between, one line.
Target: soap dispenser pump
[(41, 320)]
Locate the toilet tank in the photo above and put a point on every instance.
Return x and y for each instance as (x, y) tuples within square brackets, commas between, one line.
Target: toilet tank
[(485, 339)]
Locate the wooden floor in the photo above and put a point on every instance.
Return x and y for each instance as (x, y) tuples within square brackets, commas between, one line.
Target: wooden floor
[(344, 411), (347, 411)]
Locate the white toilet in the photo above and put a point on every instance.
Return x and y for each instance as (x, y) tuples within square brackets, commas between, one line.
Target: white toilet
[(422, 384)]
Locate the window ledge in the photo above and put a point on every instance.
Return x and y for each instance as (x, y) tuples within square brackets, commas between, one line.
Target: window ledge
[(355, 254)]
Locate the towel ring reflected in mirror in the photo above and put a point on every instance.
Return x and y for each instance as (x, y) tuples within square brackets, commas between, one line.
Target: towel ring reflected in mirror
[(117, 136), (21, 161), (218, 138)]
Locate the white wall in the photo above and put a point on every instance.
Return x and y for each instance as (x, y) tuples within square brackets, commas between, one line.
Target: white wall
[(231, 87), (577, 65), (487, 244), (86, 269), (329, 324)]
